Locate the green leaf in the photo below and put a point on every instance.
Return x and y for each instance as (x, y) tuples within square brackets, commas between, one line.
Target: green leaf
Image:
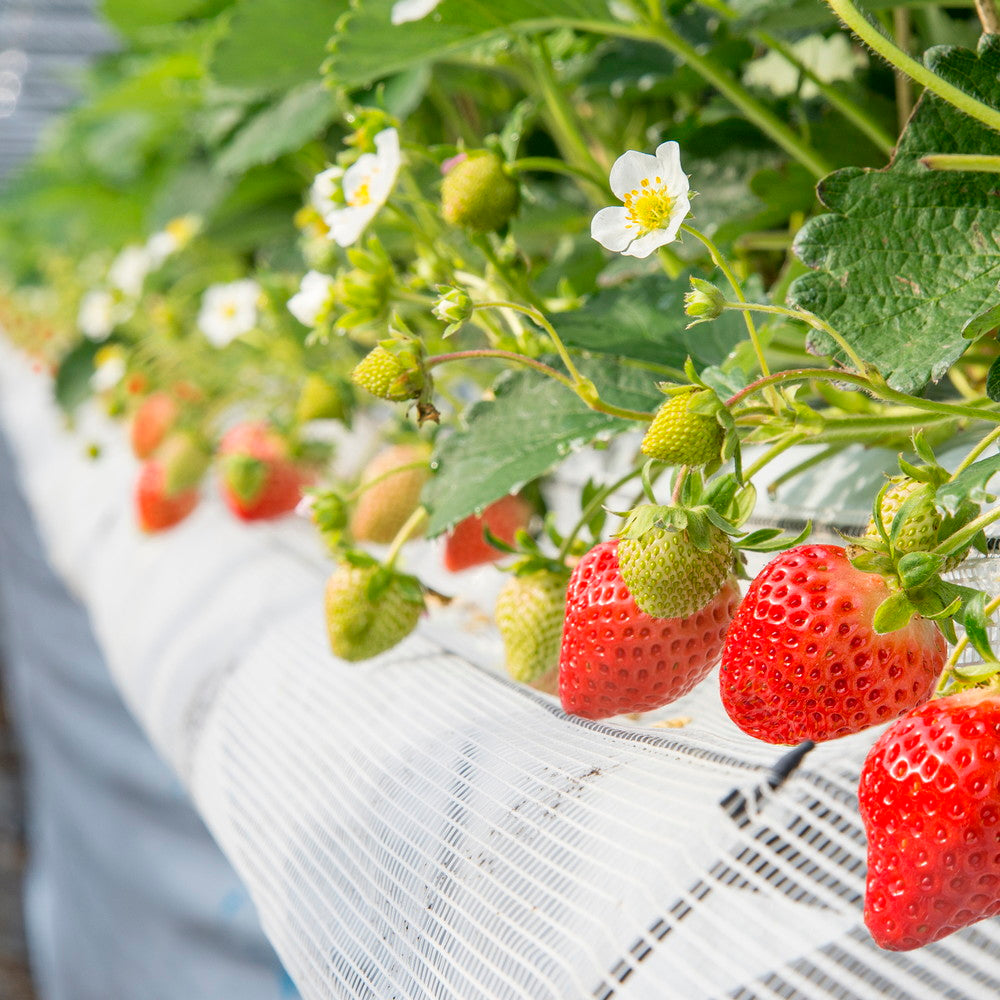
[(893, 613), (287, 125), (645, 320), (72, 385), (477, 465), (129, 17), (908, 253), (982, 323), (969, 484), (274, 46), (976, 625), (368, 46), (993, 381)]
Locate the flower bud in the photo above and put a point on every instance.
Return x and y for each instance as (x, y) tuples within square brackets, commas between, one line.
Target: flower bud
[(704, 302), (453, 307)]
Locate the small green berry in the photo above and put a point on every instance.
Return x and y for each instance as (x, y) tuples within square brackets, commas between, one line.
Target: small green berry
[(384, 376), (479, 193), (529, 614), (681, 437)]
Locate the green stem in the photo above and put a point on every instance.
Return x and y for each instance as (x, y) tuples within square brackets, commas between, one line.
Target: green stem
[(975, 453), (772, 453), (710, 71), (871, 36), (962, 161), (883, 391), (959, 648), (549, 164), (723, 266), (492, 352), (816, 459), (590, 510), (562, 117), (413, 524), (806, 317), (965, 535)]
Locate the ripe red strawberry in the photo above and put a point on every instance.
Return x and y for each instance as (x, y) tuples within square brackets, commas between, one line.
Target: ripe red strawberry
[(803, 662), (157, 508), (151, 422), (615, 658), (930, 801), (529, 613), (397, 476), (466, 545), (260, 479), (369, 609)]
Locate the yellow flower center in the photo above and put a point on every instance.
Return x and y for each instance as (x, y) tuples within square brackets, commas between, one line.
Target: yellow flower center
[(361, 196), (648, 206), (229, 310)]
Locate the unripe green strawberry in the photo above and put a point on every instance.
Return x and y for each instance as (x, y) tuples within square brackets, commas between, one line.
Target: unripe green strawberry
[(668, 576), (479, 193), (368, 610), (386, 505), (385, 376), (319, 399), (529, 613), (919, 534), (681, 437)]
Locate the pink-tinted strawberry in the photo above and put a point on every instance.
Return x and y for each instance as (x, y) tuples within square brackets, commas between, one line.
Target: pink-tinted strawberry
[(466, 545), (260, 479), (151, 422), (615, 658), (390, 488), (803, 661), (157, 508), (930, 800)]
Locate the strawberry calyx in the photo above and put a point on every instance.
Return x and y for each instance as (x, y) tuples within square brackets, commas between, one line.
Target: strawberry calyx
[(245, 475), (384, 577)]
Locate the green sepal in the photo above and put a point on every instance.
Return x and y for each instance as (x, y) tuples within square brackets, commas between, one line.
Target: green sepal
[(939, 599), (498, 543), (722, 523), (245, 476), (969, 484), (776, 543), (869, 561), (902, 515), (893, 613), (917, 568), (698, 533), (923, 449), (976, 673), (976, 624)]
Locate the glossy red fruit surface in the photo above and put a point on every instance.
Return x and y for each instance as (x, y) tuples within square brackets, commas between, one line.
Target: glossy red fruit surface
[(803, 662), (615, 658), (930, 800)]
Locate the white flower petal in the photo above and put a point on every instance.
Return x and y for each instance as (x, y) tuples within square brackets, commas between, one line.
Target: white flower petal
[(609, 228), (309, 303), (358, 175), (412, 10), (347, 224), (645, 245), (630, 170), (129, 269)]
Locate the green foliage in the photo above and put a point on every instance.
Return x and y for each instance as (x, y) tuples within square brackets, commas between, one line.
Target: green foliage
[(909, 254), (476, 465)]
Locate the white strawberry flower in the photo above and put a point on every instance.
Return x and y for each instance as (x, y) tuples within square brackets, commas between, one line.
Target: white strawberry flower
[(367, 184), (129, 269), (654, 190), (404, 11), (100, 312), (831, 59), (228, 311), (313, 299)]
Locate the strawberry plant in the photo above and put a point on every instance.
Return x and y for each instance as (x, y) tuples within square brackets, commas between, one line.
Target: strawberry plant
[(312, 239)]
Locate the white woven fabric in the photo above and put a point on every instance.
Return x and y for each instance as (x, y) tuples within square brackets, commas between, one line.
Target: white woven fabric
[(419, 827)]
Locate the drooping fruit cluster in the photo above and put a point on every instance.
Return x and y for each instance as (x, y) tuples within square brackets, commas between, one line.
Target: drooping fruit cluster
[(616, 659), (802, 660), (930, 801)]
